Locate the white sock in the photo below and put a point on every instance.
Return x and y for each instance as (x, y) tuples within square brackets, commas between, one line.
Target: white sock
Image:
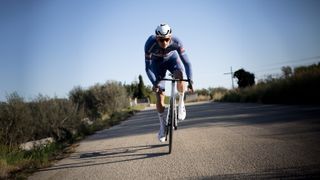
[(181, 98)]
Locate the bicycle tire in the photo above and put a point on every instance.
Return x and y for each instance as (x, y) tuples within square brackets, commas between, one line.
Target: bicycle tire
[(171, 125)]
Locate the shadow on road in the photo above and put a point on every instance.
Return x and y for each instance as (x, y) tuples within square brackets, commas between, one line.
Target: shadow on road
[(217, 114), (110, 156), (304, 172), (124, 151)]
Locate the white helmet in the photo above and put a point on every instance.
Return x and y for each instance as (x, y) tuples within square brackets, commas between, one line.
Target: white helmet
[(163, 30)]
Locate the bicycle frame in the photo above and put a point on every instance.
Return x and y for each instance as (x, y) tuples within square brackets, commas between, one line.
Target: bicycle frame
[(171, 120)]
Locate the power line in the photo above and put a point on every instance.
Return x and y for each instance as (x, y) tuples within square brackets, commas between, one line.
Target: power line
[(296, 60), (279, 65), (303, 59)]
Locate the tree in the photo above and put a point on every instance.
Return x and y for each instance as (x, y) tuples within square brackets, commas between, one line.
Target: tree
[(244, 78), (77, 95), (131, 89), (286, 71), (141, 91)]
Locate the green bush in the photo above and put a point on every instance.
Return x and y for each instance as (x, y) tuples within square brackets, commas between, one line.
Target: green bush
[(109, 97), (16, 124), (302, 87), (203, 92), (217, 93)]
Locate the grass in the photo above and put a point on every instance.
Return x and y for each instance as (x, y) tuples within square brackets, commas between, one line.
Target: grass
[(17, 164)]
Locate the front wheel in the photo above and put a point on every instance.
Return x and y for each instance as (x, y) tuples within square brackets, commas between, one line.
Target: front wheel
[(171, 125), (175, 119)]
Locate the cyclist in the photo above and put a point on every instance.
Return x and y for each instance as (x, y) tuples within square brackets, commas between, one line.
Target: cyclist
[(162, 52)]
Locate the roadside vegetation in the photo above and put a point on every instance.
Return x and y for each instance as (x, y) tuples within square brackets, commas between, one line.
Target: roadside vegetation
[(294, 86), (297, 86), (65, 120)]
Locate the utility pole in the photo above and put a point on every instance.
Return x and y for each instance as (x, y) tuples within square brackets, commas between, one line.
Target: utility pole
[(231, 73)]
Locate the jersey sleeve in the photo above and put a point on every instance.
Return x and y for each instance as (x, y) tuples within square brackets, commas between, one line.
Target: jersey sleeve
[(185, 60), (148, 61)]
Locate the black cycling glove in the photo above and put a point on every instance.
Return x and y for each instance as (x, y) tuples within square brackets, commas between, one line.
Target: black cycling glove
[(190, 84)]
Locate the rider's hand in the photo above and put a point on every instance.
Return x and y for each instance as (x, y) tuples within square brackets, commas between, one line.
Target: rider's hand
[(155, 88), (190, 85)]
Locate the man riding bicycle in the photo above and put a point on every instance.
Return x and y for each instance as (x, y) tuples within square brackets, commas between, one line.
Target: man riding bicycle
[(162, 52)]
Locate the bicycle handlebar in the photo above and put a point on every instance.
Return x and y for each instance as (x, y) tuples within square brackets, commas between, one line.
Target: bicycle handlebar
[(165, 79), (175, 80)]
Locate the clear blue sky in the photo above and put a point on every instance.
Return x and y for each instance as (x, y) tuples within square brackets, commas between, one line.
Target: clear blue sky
[(49, 46)]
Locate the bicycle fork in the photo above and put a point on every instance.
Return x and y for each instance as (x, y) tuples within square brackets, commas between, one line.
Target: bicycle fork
[(169, 119)]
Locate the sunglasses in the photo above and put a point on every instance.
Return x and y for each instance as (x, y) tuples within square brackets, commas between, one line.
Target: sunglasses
[(164, 39)]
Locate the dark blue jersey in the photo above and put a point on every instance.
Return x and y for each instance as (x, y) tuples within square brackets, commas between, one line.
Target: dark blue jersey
[(153, 52)]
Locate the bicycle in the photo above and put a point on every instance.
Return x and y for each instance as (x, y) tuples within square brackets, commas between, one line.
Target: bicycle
[(172, 123)]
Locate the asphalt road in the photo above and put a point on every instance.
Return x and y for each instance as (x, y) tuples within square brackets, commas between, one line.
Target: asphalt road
[(216, 141)]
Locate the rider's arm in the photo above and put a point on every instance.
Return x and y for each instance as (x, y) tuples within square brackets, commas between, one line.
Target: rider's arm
[(149, 72), (185, 60), (148, 61)]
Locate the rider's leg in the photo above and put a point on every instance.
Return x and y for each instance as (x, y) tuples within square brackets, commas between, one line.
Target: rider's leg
[(175, 67), (159, 70), (180, 87), (160, 101), (160, 108), (180, 84)]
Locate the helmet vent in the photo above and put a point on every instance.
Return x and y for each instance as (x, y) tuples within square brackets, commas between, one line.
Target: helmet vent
[(163, 30)]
